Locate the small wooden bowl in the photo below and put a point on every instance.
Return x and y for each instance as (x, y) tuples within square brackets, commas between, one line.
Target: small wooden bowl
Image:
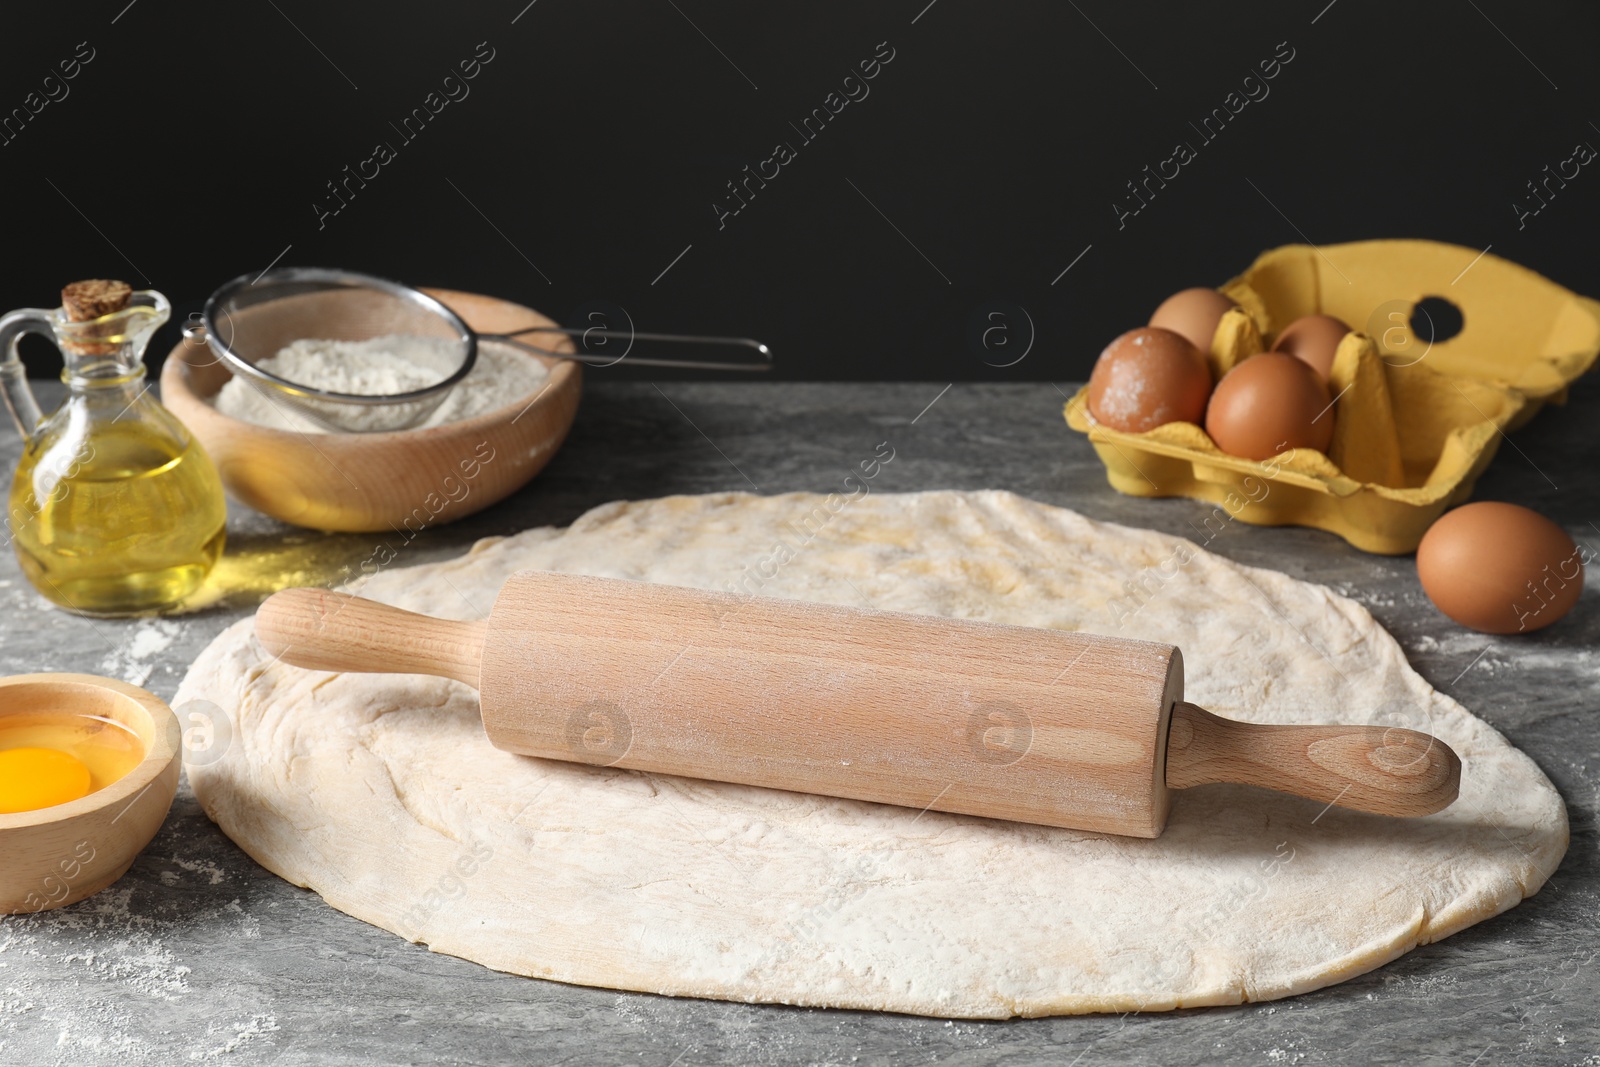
[(59, 855), (402, 481)]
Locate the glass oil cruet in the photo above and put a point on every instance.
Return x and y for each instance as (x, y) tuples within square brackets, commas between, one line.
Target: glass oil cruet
[(115, 509)]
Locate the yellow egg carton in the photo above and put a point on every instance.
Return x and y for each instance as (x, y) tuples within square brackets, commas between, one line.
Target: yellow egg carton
[(1415, 422)]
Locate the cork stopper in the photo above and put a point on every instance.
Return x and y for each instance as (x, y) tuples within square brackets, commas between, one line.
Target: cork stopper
[(90, 299), (94, 297)]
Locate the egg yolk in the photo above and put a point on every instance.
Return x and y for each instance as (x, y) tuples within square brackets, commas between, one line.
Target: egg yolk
[(33, 778)]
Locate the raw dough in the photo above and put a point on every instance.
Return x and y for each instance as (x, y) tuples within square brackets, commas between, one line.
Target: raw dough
[(381, 793)]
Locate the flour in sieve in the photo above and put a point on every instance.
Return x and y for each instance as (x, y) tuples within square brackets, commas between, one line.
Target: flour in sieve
[(503, 374)]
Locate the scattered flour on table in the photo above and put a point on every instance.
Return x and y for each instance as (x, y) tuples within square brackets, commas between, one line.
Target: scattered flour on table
[(95, 974), (243, 1033), (134, 658), (211, 870), (503, 374)]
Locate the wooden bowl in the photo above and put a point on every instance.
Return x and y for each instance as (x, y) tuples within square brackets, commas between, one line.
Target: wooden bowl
[(59, 855), (401, 481)]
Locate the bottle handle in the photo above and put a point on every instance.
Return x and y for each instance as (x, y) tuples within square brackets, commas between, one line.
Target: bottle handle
[(14, 388)]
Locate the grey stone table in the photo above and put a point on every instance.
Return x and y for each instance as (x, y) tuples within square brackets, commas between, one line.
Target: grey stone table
[(199, 954)]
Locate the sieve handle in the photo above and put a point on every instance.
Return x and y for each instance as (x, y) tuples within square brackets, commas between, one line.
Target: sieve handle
[(594, 360)]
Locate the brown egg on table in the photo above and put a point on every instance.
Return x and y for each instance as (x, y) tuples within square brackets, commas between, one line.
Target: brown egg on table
[(1146, 378), (1193, 314), (1313, 339), (1500, 568), (1269, 404)]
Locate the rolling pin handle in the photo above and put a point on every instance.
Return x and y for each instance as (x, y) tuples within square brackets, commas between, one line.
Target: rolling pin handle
[(1377, 769), (326, 631)]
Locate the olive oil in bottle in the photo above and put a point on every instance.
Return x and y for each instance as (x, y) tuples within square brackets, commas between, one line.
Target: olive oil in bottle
[(115, 508), (131, 519)]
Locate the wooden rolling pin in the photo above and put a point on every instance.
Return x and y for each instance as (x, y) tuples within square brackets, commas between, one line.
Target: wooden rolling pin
[(1008, 722)]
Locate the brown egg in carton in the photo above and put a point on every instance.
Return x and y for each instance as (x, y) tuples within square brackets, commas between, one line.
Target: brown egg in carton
[(1415, 422)]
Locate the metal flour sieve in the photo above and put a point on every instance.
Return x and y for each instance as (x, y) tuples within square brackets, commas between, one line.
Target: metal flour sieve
[(251, 318)]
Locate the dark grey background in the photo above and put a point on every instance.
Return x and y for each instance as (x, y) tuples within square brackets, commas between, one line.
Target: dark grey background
[(984, 162)]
